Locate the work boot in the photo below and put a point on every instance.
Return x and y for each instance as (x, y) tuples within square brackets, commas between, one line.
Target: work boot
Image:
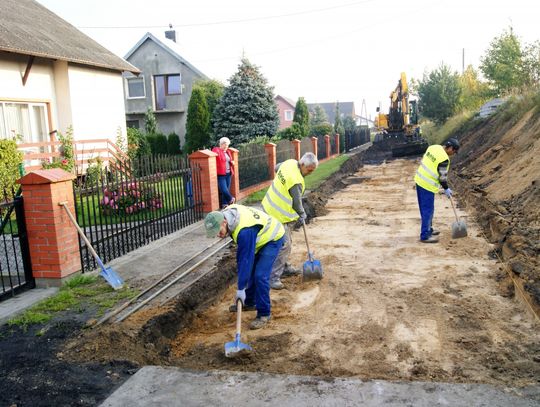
[(276, 285), (291, 271), (435, 232), (259, 322), (234, 308), (430, 239)]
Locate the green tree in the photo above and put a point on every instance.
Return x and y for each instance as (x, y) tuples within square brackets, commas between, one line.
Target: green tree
[(197, 122), (349, 125), (301, 117), (439, 92), (213, 91), (531, 64), (318, 116), (150, 122), (338, 123), (473, 91), (137, 143), (247, 108), (290, 133), (10, 160), (503, 64)]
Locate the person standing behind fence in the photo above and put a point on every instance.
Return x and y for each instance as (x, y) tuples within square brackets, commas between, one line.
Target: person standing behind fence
[(283, 201), (225, 170)]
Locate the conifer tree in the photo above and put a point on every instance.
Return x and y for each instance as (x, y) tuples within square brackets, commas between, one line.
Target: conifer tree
[(197, 122), (247, 108), (301, 116)]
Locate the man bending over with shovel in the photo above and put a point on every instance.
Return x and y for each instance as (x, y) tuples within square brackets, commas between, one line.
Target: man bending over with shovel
[(259, 238), (283, 201), (431, 175)]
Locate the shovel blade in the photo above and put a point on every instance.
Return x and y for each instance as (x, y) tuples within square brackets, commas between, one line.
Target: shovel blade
[(112, 277), (236, 348), (312, 270), (459, 229)]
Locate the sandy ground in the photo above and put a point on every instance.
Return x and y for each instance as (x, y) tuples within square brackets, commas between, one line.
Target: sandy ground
[(388, 307)]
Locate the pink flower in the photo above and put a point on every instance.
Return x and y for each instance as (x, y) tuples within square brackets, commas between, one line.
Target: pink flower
[(105, 200)]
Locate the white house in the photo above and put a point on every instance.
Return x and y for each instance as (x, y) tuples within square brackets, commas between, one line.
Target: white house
[(52, 76)]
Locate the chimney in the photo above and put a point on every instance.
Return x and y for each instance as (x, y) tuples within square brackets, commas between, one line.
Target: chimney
[(170, 34)]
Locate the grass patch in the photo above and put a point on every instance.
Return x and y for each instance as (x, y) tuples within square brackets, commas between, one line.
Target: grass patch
[(80, 293), (323, 171), (438, 134)]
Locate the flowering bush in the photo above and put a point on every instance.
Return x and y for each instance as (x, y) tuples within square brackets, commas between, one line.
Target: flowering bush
[(130, 198)]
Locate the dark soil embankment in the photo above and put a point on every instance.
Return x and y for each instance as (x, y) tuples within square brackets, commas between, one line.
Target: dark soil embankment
[(498, 174)]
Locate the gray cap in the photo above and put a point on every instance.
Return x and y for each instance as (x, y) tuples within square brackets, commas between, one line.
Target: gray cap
[(213, 222)]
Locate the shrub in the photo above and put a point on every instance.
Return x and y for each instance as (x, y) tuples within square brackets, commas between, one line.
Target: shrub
[(95, 171), (130, 198), (66, 161), (137, 143), (160, 144), (321, 129), (173, 144), (290, 133), (10, 160)]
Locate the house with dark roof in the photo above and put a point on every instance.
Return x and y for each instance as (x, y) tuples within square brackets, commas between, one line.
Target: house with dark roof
[(164, 85), (286, 109), (52, 77)]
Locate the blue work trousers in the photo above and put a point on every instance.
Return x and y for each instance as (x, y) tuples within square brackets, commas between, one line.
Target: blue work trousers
[(258, 291), (426, 203), (224, 185)]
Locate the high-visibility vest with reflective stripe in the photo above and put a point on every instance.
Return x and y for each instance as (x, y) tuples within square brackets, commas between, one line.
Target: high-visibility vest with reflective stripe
[(278, 201), (427, 175), (271, 229)]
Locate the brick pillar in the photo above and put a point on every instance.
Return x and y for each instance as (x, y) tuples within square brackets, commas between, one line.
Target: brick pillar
[(337, 143), (53, 240), (296, 144), (328, 146), (207, 179), (235, 179), (314, 145), (272, 159)]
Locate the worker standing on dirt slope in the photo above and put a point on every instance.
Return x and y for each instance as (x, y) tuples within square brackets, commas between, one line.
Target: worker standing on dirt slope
[(283, 201), (431, 175), (259, 238)]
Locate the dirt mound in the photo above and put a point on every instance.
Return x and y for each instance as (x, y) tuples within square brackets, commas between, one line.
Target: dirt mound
[(498, 174)]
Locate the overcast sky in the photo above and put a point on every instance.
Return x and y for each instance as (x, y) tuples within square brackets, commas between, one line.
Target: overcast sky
[(325, 51)]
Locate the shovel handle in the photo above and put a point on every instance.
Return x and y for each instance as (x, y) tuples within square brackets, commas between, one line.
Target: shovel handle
[(307, 244), (238, 316), (453, 208)]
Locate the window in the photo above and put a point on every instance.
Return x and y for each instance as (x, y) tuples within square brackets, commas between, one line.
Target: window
[(133, 124), (28, 120), (288, 115), (135, 88), (166, 85)]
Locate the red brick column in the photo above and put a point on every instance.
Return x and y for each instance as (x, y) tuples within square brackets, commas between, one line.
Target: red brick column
[(235, 179), (328, 146), (337, 143), (314, 145), (53, 240), (272, 159), (207, 179), (296, 144)]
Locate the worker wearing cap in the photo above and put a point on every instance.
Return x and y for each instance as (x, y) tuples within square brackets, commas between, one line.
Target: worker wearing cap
[(283, 201), (431, 175), (259, 238)]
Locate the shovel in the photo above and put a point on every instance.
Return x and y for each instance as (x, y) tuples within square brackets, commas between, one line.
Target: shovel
[(459, 228), (114, 280), (236, 348), (312, 269)]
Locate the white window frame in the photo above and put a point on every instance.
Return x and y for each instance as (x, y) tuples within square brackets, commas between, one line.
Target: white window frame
[(127, 87), (32, 137), (289, 115)]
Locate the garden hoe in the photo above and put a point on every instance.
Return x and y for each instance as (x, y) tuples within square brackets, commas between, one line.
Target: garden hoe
[(114, 280), (312, 269), (237, 348), (459, 228)]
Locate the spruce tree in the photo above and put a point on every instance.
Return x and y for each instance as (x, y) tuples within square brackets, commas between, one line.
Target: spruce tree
[(197, 122), (301, 116), (247, 108), (213, 91)]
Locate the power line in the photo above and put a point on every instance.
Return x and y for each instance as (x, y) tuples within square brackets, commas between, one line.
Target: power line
[(246, 20)]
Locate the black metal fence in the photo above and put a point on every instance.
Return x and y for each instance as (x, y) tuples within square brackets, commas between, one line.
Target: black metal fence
[(126, 207), (252, 165), (306, 146), (15, 266), (321, 148), (284, 151), (361, 135), (333, 145)]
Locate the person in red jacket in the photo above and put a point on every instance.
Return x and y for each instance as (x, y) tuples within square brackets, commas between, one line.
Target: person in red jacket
[(225, 170)]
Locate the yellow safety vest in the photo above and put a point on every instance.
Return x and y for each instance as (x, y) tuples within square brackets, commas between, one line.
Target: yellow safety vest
[(271, 229), (427, 175), (278, 201)]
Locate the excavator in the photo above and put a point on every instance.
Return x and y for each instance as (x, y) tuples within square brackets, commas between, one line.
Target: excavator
[(400, 129)]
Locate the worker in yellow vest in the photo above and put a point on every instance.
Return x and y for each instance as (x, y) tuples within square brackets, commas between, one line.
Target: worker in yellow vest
[(431, 175), (283, 201), (259, 238)]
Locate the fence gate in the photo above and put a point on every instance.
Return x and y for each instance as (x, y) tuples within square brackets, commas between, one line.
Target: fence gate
[(15, 266), (133, 203)]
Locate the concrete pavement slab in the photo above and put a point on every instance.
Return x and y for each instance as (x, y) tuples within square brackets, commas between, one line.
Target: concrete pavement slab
[(169, 386)]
